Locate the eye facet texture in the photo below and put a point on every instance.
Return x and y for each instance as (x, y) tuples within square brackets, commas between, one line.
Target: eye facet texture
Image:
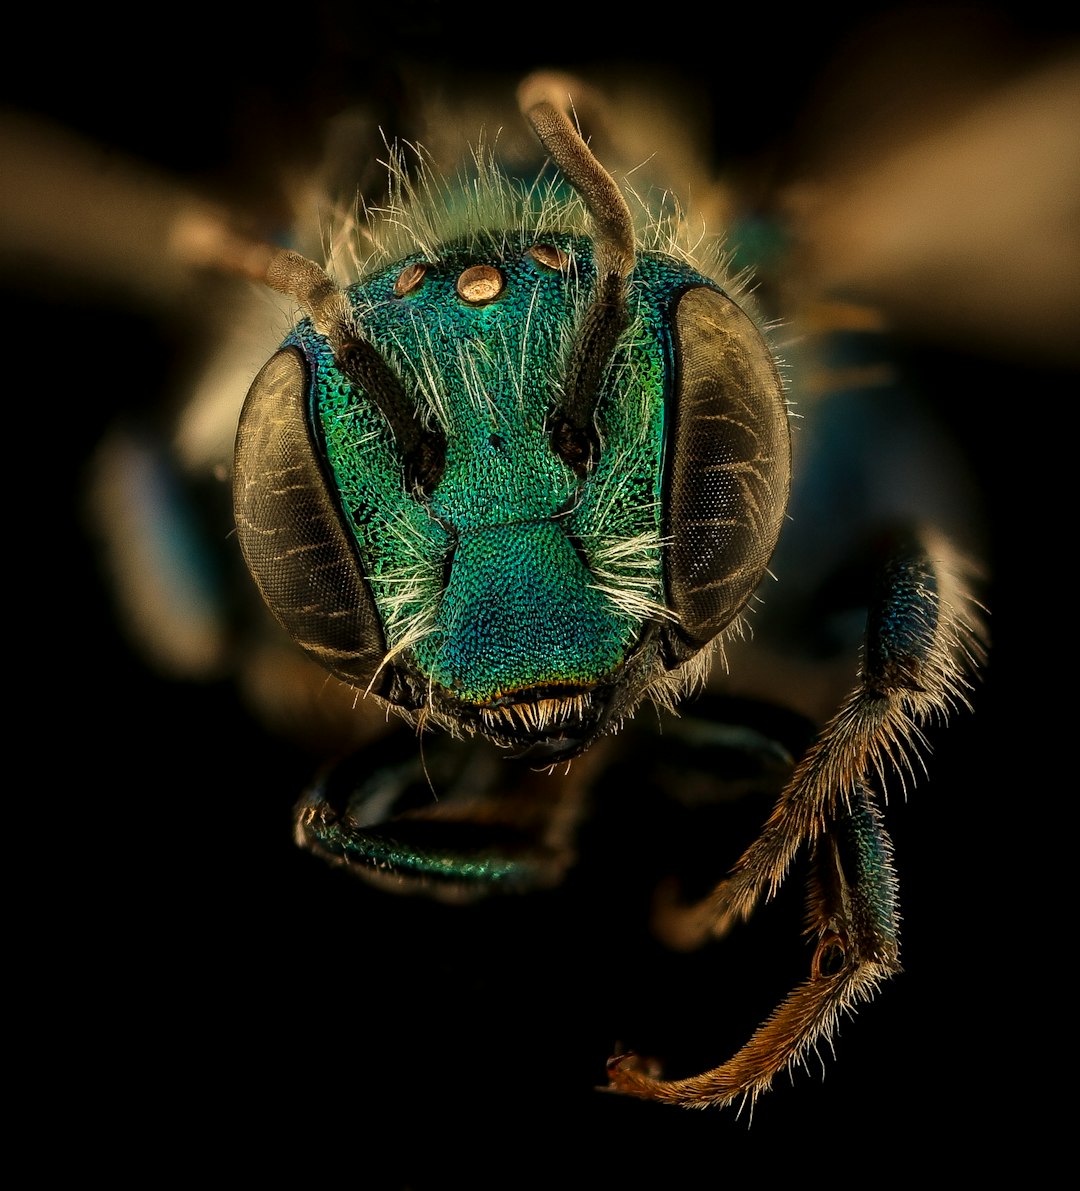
[(729, 468), (290, 529)]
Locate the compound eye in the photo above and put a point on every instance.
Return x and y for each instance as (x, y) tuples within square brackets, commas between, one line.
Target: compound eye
[(728, 467), (290, 530)]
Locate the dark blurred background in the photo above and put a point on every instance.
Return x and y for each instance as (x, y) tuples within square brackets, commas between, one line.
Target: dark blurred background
[(205, 995)]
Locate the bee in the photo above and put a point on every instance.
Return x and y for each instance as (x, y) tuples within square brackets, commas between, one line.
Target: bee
[(526, 474), (518, 821)]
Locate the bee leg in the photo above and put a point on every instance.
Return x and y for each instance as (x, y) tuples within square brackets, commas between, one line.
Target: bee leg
[(923, 640), (853, 911), (458, 822)]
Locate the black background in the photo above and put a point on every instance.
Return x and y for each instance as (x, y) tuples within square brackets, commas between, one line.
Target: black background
[(204, 996)]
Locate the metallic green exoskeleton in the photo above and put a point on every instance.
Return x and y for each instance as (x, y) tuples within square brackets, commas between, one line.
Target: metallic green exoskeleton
[(525, 473), (514, 489)]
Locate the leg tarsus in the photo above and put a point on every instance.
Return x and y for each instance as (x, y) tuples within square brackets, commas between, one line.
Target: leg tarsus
[(809, 1015), (853, 910)]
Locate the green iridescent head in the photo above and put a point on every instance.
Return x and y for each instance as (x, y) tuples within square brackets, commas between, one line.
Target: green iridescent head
[(522, 473)]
